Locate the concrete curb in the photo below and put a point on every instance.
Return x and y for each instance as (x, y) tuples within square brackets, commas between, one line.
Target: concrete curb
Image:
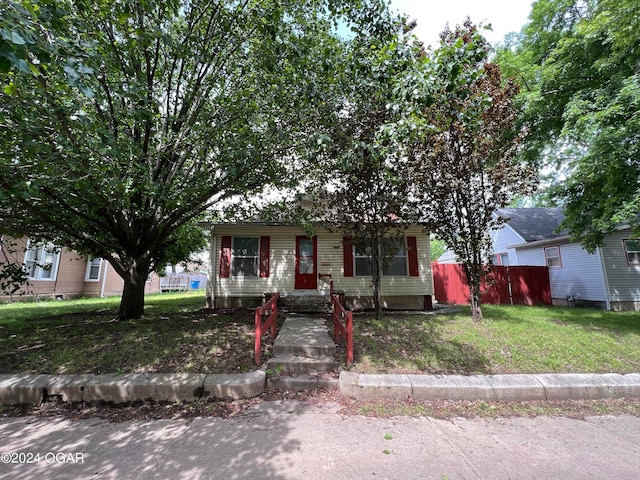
[(35, 389), (125, 388), (490, 387)]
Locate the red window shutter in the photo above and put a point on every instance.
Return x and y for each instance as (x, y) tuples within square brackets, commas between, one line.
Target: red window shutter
[(347, 254), (264, 256), (412, 247), (225, 256)]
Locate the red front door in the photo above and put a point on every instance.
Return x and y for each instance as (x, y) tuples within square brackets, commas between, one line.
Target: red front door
[(306, 263)]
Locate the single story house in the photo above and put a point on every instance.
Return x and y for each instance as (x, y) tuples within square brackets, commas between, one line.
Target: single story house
[(60, 273), (249, 260), (608, 278)]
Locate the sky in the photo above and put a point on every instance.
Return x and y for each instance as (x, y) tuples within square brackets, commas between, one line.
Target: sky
[(504, 16)]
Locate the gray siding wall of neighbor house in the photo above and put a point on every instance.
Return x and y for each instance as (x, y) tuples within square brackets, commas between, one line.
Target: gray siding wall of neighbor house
[(578, 281), (503, 238), (398, 291), (624, 279)]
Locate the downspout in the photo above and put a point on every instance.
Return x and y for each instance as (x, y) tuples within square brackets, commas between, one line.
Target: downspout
[(211, 274), (104, 278), (605, 279)]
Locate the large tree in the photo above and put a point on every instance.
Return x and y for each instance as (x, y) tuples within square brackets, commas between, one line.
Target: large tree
[(579, 64), (361, 189), (121, 122), (463, 150)]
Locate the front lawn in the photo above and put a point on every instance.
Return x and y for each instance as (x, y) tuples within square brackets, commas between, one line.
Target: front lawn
[(176, 335), (509, 340), (83, 336)]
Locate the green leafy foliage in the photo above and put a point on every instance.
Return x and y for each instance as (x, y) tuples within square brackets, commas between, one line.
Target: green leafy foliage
[(360, 189), (578, 62), (463, 150), (136, 117)]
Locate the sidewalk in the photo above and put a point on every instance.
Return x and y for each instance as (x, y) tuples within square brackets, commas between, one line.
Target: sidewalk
[(289, 440), (124, 388)]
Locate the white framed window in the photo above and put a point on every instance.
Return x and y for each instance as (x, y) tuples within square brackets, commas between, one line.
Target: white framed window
[(395, 251), (362, 259), (94, 267), (41, 261), (501, 259), (396, 264), (245, 256), (632, 251), (552, 256)]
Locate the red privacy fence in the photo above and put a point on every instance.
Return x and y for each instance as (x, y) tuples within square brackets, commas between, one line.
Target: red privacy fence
[(518, 285)]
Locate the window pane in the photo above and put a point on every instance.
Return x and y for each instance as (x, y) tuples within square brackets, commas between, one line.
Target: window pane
[(363, 267), (244, 267), (632, 245), (94, 272), (94, 268), (305, 265), (552, 255), (363, 250), (46, 272), (245, 246), (393, 247), (632, 249), (306, 247), (395, 261), (397, 267)]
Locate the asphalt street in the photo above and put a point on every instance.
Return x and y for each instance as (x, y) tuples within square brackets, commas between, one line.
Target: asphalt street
[(290, 440)]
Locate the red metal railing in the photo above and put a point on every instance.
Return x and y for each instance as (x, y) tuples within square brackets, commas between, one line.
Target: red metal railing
[(270, 308), (340, 329)]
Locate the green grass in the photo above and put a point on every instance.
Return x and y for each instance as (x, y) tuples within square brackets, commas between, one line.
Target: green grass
[(509, 340), (176, 335), (84, 336)]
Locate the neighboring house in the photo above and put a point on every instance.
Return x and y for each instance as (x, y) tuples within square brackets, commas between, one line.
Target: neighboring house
[(609, 278), (60, 273), (250, 260)]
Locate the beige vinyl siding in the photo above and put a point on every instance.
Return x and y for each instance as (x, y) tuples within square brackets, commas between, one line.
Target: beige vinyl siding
[(281, 261), (391, 286), (624, 279), (330, 261)]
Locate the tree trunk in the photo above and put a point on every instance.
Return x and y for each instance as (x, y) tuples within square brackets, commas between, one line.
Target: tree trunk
[(377, 275), (476, 311), (132, 301), (474, 277)]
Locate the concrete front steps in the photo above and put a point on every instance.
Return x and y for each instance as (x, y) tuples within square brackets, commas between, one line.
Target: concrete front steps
[(303, 356), (304, 302)]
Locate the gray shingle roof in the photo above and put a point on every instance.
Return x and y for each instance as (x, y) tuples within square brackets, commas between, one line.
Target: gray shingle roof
[(534, 224)]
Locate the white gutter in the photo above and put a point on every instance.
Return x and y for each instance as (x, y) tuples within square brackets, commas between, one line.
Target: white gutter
[(605, 279), (211, 274), (540, 243), (104, 278)]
